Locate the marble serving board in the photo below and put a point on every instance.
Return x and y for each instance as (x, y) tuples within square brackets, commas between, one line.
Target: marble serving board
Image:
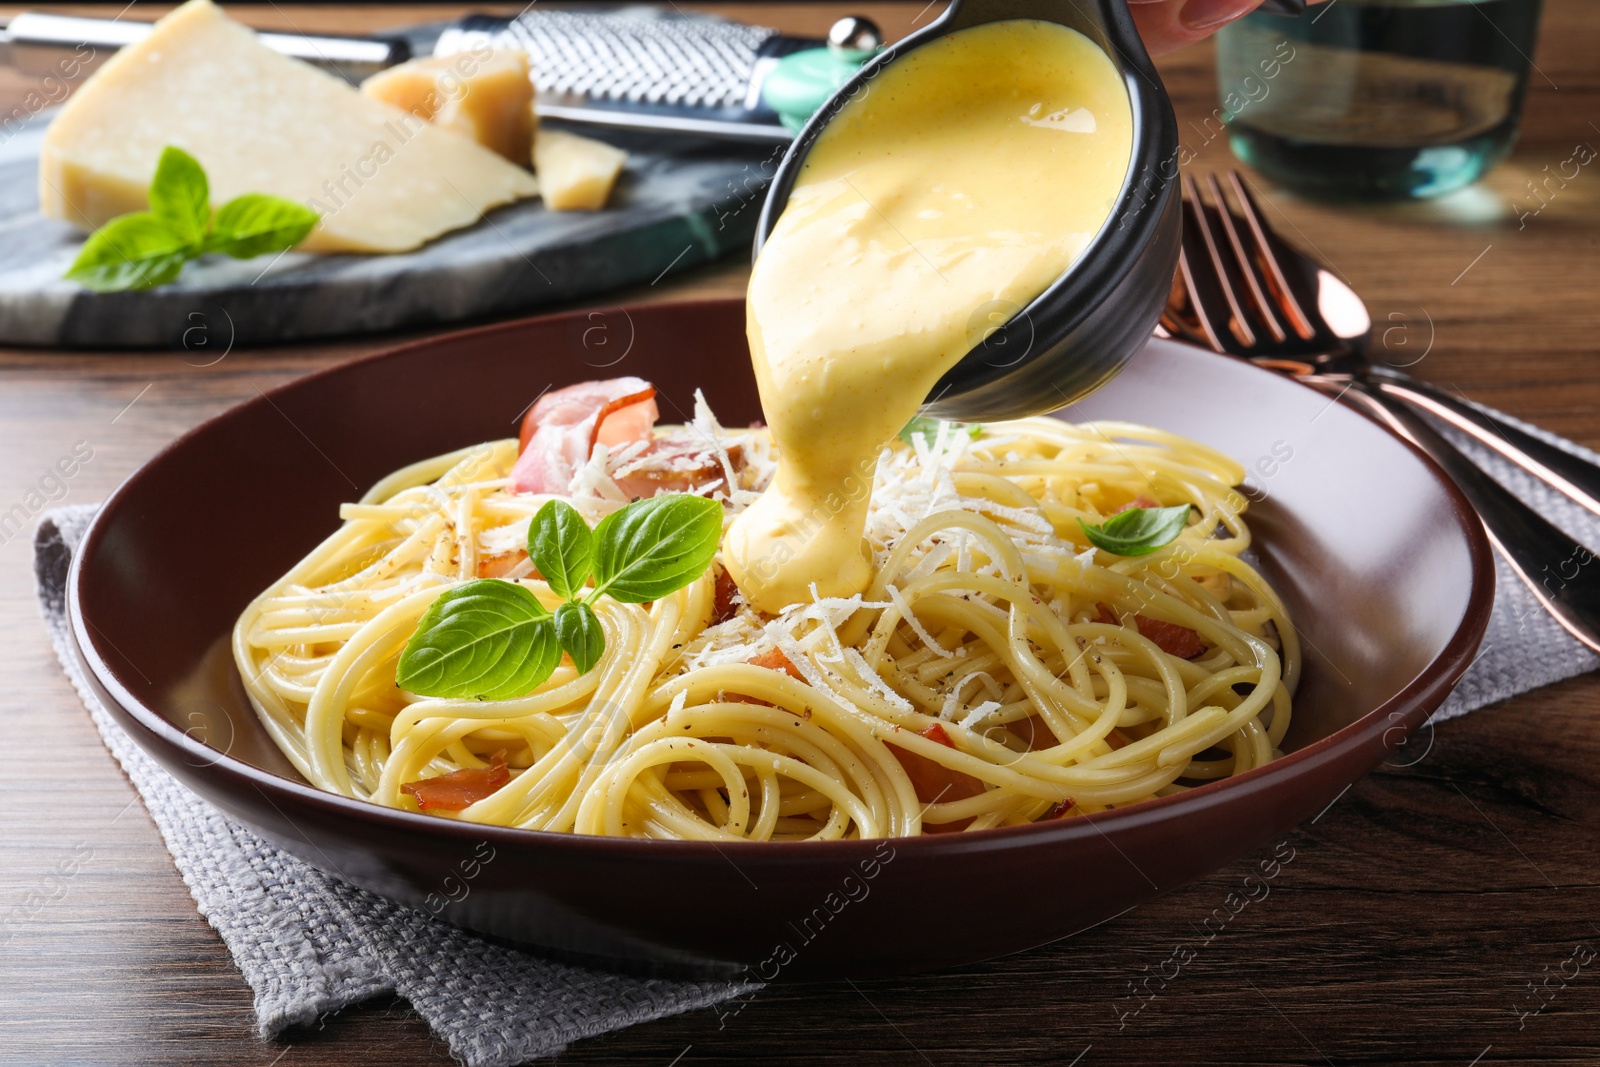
[(680, 203)]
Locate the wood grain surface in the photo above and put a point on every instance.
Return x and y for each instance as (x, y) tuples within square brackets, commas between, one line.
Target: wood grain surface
[(1441, 912)]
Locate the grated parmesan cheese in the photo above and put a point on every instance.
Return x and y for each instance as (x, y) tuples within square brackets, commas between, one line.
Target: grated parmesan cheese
[(916, 625), (977, 714)]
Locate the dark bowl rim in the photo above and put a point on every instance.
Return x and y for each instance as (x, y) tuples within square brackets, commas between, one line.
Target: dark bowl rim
[(1110, 255), (1444, 671)]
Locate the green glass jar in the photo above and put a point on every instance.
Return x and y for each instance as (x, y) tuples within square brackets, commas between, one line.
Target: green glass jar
[(1378, 99)]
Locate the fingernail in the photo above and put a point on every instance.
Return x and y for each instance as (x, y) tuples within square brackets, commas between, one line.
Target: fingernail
[(1209, 14)]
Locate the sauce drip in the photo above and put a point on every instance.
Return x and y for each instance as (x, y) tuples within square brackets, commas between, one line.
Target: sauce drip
[(957, 186)]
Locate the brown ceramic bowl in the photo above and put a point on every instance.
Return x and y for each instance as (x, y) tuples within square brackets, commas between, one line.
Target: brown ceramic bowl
[(1385, 569)]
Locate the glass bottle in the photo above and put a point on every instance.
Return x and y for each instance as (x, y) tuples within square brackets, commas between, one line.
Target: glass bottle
[(1378, 99)]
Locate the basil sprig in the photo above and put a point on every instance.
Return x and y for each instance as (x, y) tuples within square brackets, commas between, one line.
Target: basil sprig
[(493, 640), (149, 248), (922, 426), (562, 548), (487, 639), (1138, 531), (578, 630), (654, 547)]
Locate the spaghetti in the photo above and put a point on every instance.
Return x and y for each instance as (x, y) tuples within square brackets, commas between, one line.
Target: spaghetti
[(998, 670)]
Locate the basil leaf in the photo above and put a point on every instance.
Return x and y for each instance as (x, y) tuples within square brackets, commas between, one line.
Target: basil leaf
[(656, 546), (134, 251), (562, 547), (180, 196), (919, 426), (1138, 531), (580, 635), (255, 224), (486, 639), (148, 248), (929, 428)]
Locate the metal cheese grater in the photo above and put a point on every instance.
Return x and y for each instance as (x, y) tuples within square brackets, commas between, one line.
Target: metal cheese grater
[(635, 67), (639, 68)]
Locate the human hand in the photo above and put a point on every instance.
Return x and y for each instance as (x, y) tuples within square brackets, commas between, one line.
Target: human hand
[(1167, 25)]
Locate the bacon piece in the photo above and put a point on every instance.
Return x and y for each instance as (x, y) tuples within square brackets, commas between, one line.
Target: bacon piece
[(460, 789), (772, 660), (1140, 501), (1035, 732), (1169, 637), (623, 423), (500, 565), (561, 429), (775, 660), (728, 599), (935, 782), (678, 461), (1058, 810)]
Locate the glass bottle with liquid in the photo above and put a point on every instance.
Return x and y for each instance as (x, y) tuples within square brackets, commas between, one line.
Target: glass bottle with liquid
[(1378, 99)]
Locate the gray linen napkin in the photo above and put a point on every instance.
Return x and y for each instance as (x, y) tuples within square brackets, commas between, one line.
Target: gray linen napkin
[(1524, 648), (310, 944)]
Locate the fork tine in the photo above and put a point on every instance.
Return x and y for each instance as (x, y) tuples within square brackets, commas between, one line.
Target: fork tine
[(1206, 307), (1180, 319), (1206, 285), (1276, 279), (1179, 316), (1246, 263)]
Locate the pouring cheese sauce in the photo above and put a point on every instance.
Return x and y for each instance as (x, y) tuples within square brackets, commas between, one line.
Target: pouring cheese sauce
[(959, 184), (412, 659)]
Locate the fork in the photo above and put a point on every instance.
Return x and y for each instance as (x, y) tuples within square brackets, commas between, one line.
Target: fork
[(1242, 290)]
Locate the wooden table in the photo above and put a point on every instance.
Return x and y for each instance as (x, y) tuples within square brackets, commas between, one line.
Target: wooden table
[(1413, 925)]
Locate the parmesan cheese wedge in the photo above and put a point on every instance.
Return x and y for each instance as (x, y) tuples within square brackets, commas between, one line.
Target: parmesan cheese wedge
[(381, 179), (575, 173), (486, 95)]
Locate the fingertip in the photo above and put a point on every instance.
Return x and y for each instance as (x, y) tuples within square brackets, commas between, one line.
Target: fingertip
[(1203, 17)]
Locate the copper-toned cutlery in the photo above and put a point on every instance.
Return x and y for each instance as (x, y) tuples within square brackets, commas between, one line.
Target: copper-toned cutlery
[(1242, 290)]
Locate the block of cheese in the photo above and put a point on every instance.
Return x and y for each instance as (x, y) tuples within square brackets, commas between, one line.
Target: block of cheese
[(484, 94), (260, 122), (575, 173)]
